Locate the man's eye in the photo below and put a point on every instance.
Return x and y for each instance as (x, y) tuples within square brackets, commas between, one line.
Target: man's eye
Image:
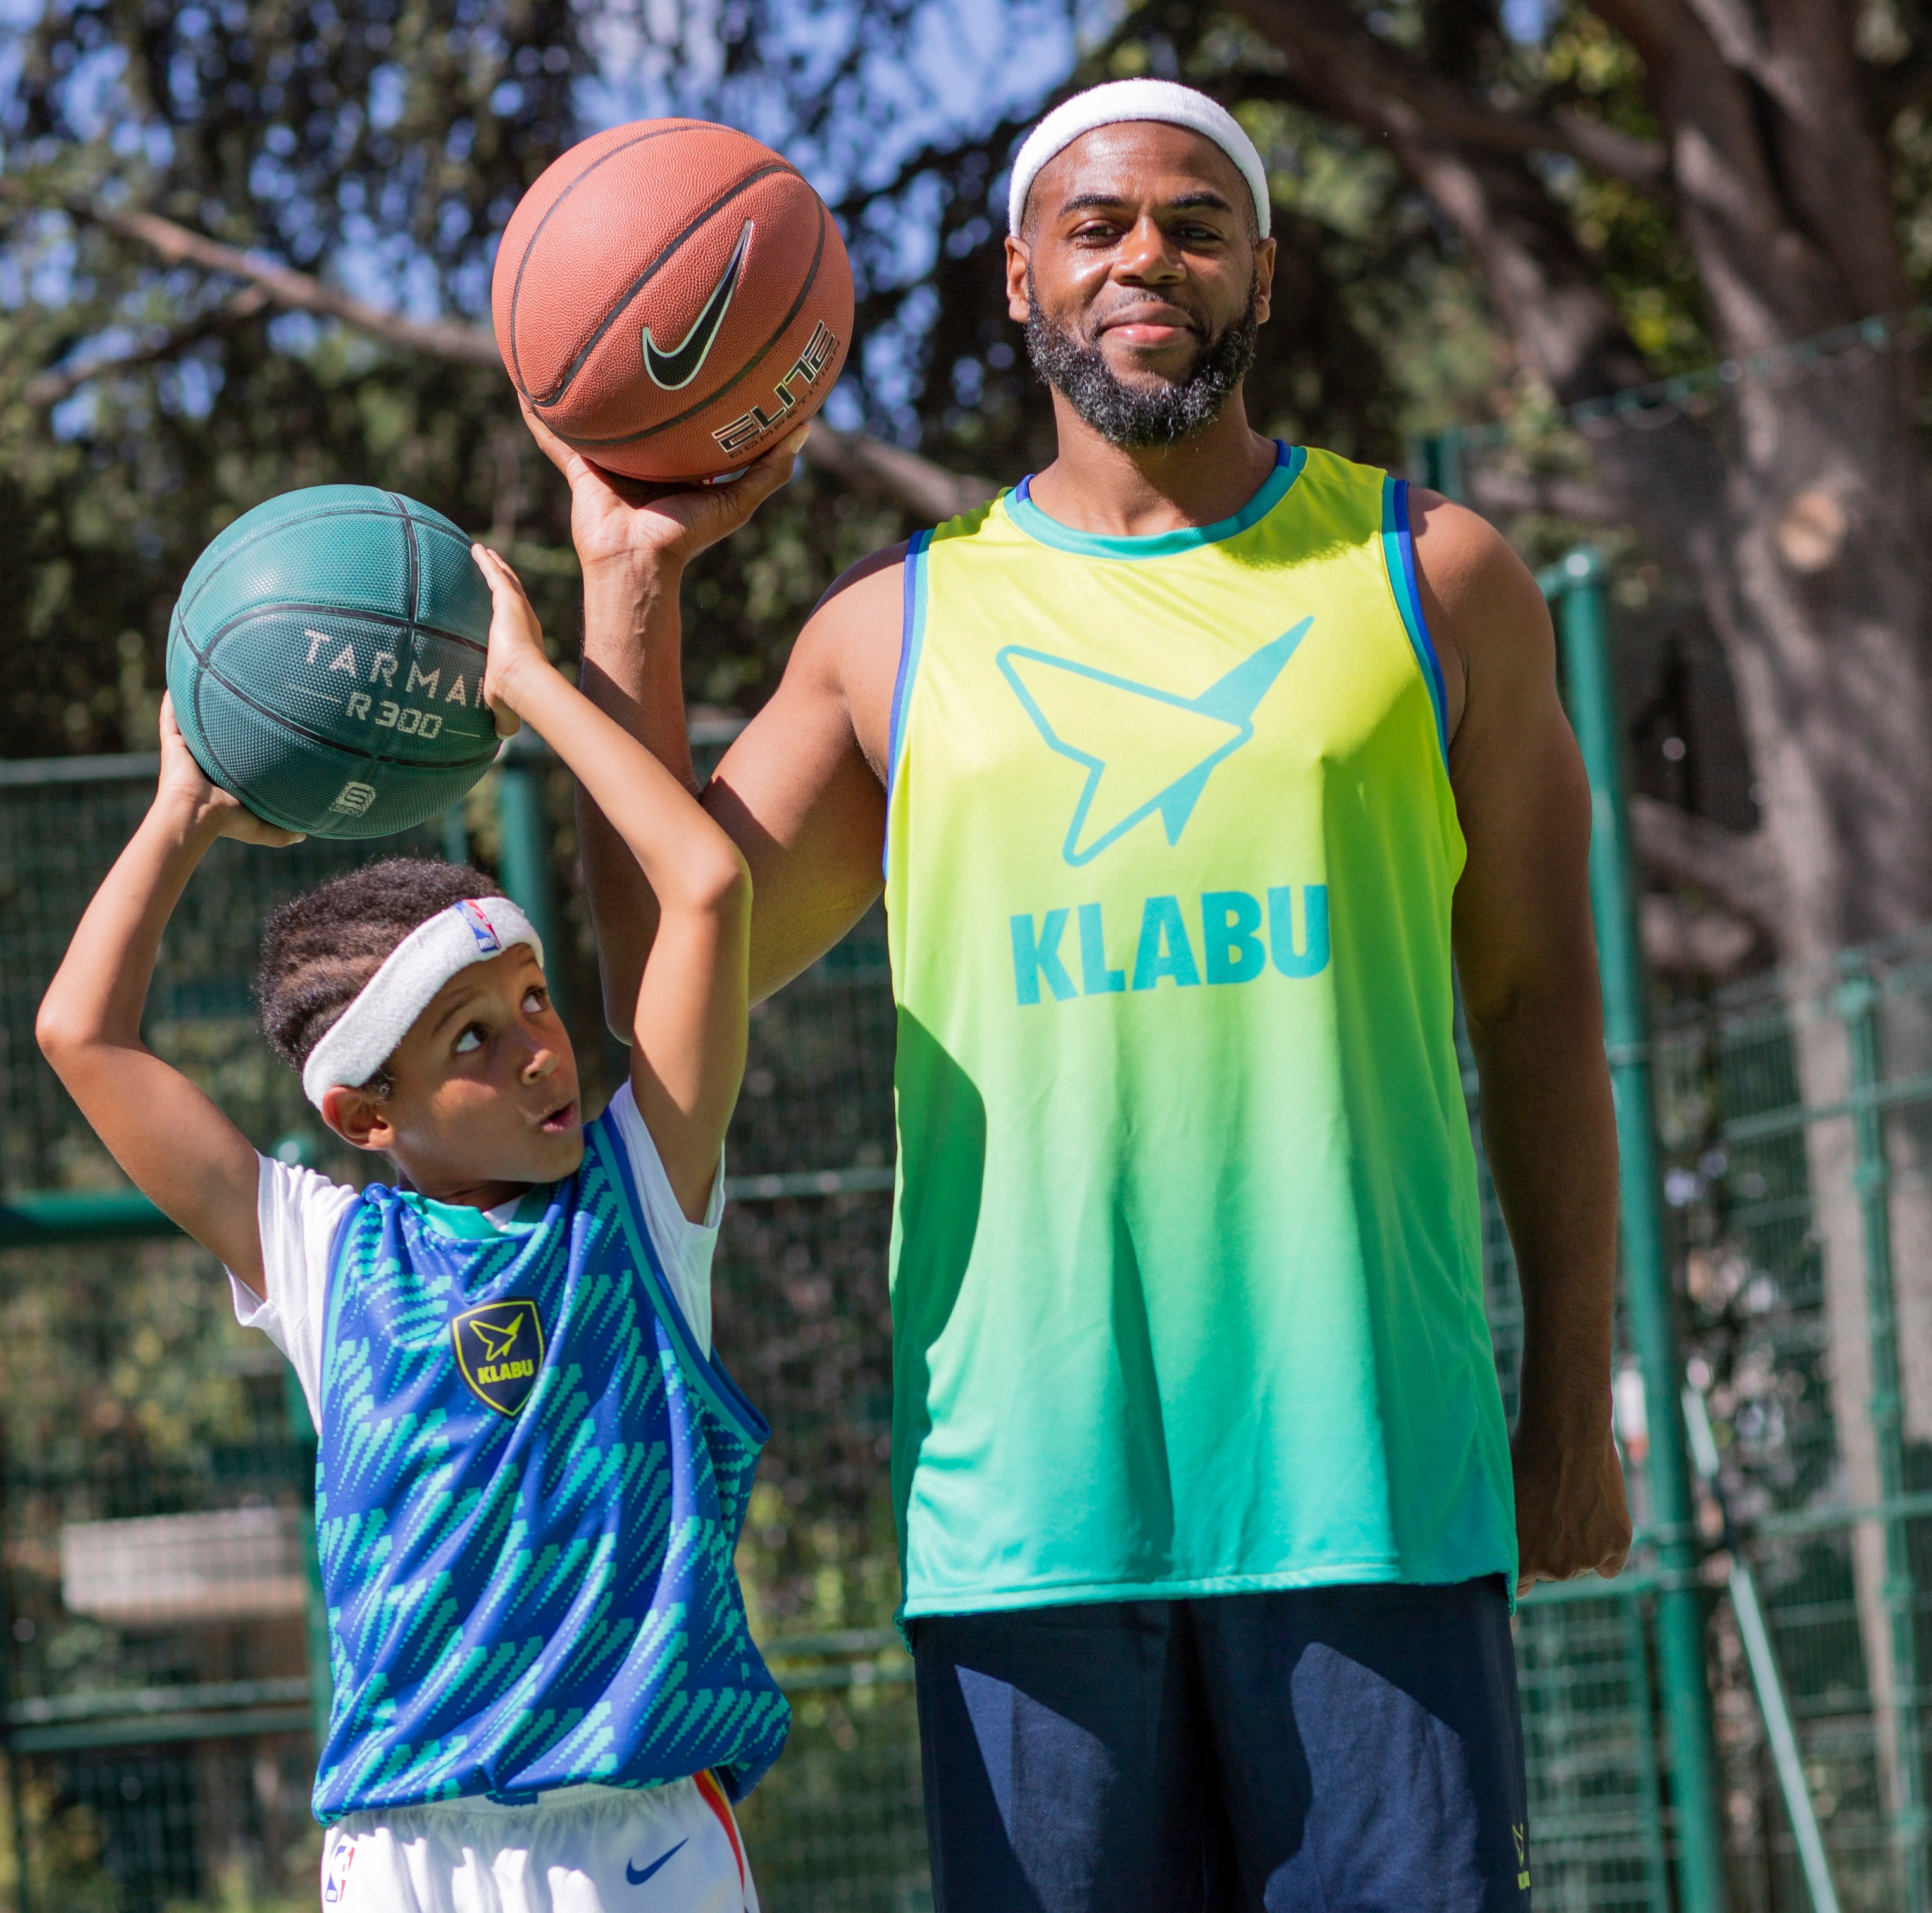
[(535, 1001), (472, 1038)]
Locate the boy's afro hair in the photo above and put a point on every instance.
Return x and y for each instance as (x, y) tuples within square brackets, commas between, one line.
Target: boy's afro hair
[(319, 949)]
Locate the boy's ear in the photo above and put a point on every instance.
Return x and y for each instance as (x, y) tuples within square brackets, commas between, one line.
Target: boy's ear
[(359, 1118)]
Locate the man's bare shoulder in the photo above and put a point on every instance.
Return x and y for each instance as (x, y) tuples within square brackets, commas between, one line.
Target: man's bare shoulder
[(850, 646), (1480, 601)]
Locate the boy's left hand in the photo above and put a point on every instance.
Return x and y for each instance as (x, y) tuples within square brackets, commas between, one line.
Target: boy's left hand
[(516, 640), (184, 783)]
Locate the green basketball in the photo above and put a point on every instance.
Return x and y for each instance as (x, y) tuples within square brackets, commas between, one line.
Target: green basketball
[(326, 662)]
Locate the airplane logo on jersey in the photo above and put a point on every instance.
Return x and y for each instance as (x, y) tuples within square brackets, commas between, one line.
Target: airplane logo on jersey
[(499, 1348), (1136, 767)]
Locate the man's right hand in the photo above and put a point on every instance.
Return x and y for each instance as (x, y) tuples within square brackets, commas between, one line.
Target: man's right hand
[(619, 520)]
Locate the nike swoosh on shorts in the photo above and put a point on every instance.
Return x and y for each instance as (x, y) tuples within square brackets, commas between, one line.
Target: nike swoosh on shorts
[(674, 369), (637, 1879)]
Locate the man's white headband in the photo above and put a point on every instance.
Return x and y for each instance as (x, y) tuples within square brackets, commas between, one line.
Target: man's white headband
[(365, 1036), (1121, 100)]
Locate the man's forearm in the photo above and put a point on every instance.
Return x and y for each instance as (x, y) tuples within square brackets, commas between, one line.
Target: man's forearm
[(633, 671), (1549, 1130)]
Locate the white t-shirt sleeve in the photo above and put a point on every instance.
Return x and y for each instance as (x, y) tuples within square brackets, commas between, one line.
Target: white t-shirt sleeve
[(298, 1213), (684, 1248)]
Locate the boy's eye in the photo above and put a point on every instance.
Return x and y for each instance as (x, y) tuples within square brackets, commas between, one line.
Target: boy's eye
[(472, 1038)]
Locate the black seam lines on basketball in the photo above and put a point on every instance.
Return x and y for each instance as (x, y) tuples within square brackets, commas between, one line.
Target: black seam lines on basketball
[(516, 289), (414, 590), (750, 366), (280, 525), (620, 306), (444, 529)]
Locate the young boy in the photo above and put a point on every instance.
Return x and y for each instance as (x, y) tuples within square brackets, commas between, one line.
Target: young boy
[(532, 1474)]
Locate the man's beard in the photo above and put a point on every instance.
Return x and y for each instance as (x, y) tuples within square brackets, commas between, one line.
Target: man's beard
[(1136, 417)]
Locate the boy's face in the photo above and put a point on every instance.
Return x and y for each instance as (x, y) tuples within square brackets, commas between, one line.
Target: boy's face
[(484, 1099)]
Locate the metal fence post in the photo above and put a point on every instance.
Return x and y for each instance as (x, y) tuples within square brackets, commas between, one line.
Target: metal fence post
[(524, 856), (1436, 460), (1577, 584), (1856, 1001), (1650, 1786), (455, 835)]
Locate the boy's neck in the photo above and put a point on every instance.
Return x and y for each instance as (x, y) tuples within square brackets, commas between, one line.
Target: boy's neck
[(466, 1195)]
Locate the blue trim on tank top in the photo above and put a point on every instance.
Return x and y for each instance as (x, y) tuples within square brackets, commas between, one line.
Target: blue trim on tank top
[(704, 1372), (1398, 556), (1031, 520), (912, 635)]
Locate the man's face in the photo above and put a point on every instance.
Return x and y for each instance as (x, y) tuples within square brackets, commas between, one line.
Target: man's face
[(483, 1090), (1139, 279)]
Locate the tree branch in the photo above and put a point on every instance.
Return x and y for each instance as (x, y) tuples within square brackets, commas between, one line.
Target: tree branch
[(293, 291), (865, 464), (48, 389), (926, 490), (1738, 870), (1492, 491), (1888, 90), (1698, 942), (1394, 97)]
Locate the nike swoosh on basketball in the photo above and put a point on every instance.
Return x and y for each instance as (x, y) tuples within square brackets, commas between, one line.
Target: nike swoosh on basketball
[(636, 1878), (674, 369)]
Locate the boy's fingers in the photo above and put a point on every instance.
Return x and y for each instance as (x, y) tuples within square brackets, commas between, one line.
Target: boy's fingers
[(497, 569)]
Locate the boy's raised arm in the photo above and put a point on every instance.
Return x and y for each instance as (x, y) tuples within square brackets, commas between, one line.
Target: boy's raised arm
[(179, 1148), (688, 1050)]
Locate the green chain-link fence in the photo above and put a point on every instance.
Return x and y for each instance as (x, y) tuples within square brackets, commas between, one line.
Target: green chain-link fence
[(154, 1602)]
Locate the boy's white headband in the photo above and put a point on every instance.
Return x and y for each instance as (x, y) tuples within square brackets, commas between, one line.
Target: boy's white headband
[(365, 1036), (1136, 98)]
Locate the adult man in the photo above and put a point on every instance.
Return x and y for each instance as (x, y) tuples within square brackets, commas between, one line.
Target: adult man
[(1185, 758)]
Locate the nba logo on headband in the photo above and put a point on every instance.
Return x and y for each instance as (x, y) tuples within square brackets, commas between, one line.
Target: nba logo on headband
[(487, 939)]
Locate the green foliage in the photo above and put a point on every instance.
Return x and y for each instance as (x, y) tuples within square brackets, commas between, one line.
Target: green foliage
[(370, 141), (1630, 236)]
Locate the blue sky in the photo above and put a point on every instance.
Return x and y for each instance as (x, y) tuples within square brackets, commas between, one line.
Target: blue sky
[(968, 63)]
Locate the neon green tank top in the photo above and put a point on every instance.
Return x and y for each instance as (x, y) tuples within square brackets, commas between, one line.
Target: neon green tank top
[(1187, 1271)]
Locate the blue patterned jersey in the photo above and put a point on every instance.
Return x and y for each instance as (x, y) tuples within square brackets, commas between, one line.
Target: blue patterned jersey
[(530, 1485)]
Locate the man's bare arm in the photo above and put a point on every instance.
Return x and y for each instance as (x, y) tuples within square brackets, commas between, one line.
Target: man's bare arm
[(802, 790), (799, 792), (1525, 954)]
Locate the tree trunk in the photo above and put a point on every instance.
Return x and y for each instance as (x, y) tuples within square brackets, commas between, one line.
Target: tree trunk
[(1798, 511)]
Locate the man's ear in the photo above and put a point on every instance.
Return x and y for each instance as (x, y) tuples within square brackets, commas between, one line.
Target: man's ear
[(1264, 255), (360, 1120), (1018, 306)]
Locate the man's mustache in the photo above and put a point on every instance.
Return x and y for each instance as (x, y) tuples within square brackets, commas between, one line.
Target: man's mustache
[(1142, 314)]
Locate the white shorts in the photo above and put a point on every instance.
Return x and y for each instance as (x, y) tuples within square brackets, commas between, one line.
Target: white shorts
[(669, 1849)]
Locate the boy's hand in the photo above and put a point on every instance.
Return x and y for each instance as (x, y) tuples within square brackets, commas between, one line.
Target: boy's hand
[(184, 783), (613, 519), (516, 641)]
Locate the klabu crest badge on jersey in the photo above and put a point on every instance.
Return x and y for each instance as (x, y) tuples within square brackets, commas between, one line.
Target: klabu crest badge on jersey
[(500, 1350)]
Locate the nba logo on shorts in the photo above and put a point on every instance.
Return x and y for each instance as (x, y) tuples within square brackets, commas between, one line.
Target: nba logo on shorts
[(335, 1884)]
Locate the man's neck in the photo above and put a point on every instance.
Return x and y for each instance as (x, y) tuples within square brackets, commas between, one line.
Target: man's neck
[(1094, 485)]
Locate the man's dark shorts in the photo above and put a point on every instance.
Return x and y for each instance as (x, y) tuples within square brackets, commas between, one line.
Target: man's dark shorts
[(1310, 1751)]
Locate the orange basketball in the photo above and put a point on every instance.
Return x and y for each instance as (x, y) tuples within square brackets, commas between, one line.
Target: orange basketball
[(672, 298)]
